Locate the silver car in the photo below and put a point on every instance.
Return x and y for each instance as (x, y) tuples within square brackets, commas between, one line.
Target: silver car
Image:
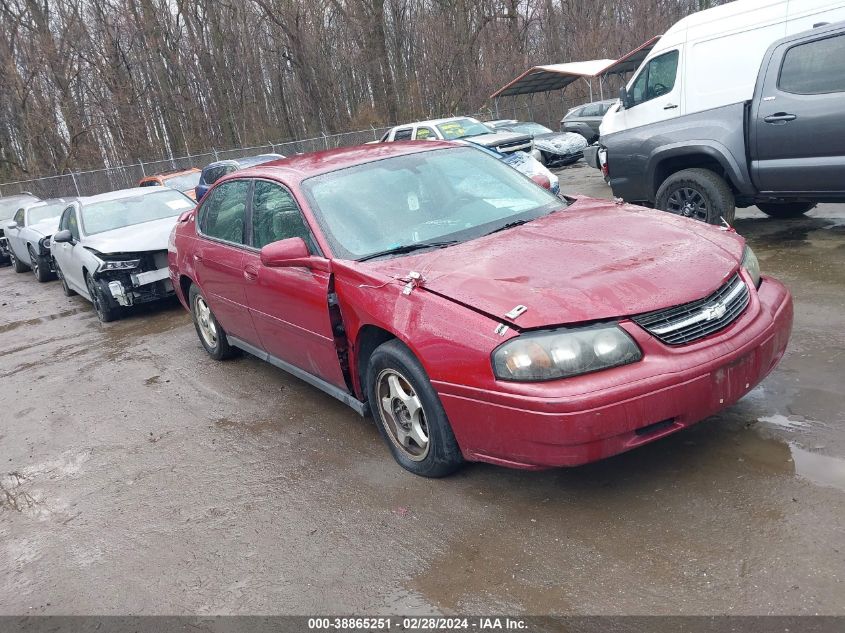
[(112, 248), (9, 205), (28, 236)]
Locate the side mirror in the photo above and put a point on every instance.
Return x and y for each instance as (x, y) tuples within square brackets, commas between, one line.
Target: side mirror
[(12, 225), (624, 97), (291, 253), (62, 237)]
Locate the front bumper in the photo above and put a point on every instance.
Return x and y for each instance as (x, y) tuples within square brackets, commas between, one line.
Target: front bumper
[(665, 394)]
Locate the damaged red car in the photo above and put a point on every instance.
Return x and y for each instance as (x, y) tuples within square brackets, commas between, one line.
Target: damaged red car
[(474, 314)]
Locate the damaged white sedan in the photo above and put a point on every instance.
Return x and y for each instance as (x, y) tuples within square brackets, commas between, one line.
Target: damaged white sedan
[(112, 248)]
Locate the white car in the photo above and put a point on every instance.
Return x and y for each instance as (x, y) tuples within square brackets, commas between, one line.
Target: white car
[(112, 248), (461, 127), (28, 236)]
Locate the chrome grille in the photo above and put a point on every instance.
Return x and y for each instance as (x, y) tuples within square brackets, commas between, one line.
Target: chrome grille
[(692, 321)]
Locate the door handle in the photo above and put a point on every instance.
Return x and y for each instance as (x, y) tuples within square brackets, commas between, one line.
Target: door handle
[(197, 258), (250, 273), (670, 106), (780, 117)]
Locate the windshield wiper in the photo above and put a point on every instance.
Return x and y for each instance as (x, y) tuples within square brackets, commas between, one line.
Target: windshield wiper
[(407, 248), (510, 225)]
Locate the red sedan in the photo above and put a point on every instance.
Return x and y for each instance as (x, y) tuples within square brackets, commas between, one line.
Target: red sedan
[(474, 314)]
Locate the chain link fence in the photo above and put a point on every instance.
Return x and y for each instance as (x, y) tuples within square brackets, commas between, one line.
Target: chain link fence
[(92, 182)]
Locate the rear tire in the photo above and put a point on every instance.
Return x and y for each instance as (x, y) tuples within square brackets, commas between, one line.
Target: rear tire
[(786, 210), (409, 414), (211, 334), (699, 194), (17, 264)]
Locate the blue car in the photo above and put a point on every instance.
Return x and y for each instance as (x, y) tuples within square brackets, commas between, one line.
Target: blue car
[(213, 172)]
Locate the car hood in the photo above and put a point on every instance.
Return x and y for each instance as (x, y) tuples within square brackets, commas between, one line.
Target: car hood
[(47, 227), (497, 138), (560, 143), (147, 236), (595, 260)]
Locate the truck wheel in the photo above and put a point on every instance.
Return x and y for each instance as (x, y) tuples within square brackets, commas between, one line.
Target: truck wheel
[(699, 194), (409, 414), (785, 209)]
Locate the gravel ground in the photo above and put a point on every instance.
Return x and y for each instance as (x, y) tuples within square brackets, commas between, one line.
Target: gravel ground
[(140, 477)]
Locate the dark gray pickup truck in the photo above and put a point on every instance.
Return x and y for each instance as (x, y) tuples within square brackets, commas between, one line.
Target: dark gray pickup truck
[(784, 150)]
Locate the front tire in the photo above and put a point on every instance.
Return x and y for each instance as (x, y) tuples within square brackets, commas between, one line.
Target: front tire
[(105, 311), (409, 414), (211, 334), (699, 194), (40, 266), (785, 210), (17, 264)]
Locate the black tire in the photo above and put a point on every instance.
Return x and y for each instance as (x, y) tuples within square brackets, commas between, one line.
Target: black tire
[(217, 347), (106, 311), (699, 194), (65, 288), (441, 456), (40, 266), (786, 210), (17, 264)]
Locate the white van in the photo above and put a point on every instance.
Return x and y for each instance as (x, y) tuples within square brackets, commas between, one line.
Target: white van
[(711, 58)]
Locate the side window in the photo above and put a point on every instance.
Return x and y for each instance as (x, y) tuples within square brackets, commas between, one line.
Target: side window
[(222, 213), (18, 219), (72, 224), (63, 222), (275, 215), (814, 68), (424, 134), (656, 79), (591, 110), (402, 135)]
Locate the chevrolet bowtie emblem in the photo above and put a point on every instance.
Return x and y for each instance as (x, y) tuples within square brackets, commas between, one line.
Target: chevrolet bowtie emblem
[(714, 312)]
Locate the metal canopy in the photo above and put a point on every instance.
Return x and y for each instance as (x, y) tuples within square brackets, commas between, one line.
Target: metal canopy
[(558, 76), (629, 62)]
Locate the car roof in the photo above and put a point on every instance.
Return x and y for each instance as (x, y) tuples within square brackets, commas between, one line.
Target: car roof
[(436, 121), (295, 169), (170, 174), (43, 203), (121, 194)]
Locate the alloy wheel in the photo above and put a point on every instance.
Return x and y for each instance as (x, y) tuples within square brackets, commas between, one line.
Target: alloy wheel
[(207, 327), (403, 414), (688, 203)]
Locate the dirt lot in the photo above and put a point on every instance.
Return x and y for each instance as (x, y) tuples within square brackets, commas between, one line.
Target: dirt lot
[(139, 476)]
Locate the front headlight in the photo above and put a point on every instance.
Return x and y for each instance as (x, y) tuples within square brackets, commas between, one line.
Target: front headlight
[(125, 264), (751, 265), (563, 353)]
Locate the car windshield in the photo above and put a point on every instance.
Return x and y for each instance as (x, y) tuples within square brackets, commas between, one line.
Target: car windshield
[(44, 212), (528, 127), (462, 128), (446, 195), (99, 217), (183, 182)]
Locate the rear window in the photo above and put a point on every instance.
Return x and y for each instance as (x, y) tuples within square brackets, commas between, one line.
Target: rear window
[(213, 174), (815, 67), (183, 182)]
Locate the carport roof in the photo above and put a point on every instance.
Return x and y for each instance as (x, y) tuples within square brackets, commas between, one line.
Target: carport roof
[(557, 76)]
